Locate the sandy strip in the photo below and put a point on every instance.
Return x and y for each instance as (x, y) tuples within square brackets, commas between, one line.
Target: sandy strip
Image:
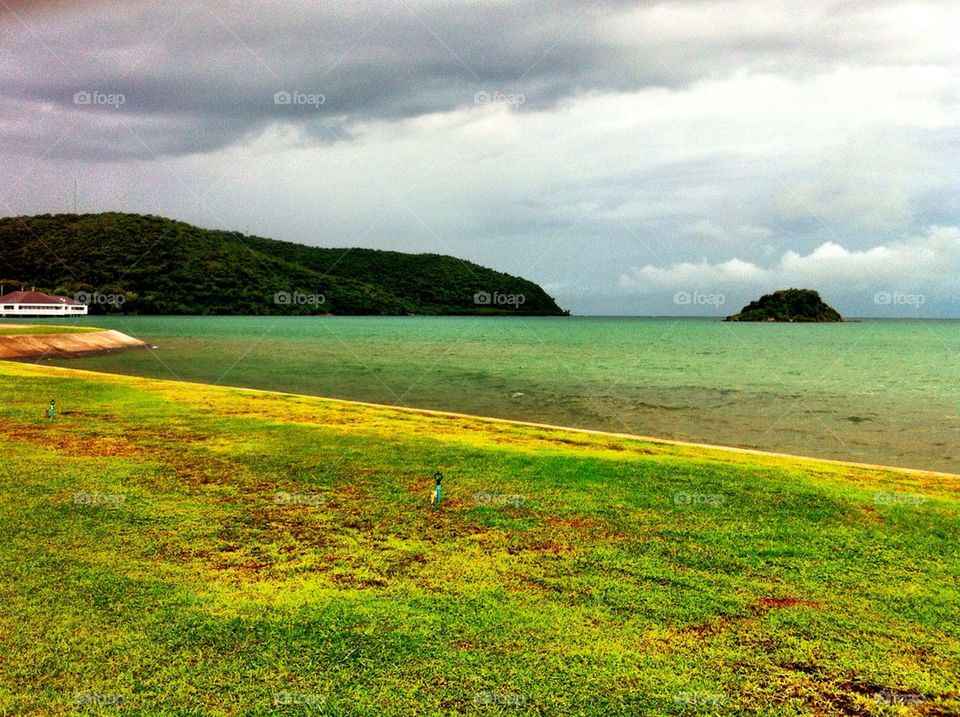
[(65, 345)]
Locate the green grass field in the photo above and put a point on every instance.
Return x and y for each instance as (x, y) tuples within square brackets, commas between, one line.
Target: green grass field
[(174, 549), (41, 329)]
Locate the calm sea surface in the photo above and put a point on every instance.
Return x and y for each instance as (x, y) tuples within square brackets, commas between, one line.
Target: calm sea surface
[(875, 391)]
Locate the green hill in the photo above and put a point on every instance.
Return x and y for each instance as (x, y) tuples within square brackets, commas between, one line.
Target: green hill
[(788, 305), (162, 266)]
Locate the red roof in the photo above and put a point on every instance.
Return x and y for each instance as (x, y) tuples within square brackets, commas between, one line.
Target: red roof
[(35, 297)]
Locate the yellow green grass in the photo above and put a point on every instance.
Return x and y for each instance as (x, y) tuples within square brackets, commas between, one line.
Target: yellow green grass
[(180, 549), (41, 329)]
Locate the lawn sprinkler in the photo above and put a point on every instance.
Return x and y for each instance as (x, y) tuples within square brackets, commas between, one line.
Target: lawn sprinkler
[(438, 476), (52, 411)]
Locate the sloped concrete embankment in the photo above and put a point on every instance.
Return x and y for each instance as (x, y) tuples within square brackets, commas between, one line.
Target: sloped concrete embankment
[(65, 345)]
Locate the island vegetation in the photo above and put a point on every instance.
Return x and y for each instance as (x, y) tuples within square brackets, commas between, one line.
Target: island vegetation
[(801, 305), (137, 264)]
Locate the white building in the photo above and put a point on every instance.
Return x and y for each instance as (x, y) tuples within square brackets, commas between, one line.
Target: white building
[(33, 303)]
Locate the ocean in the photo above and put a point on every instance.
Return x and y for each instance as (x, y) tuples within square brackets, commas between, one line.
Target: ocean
[(878, 391)]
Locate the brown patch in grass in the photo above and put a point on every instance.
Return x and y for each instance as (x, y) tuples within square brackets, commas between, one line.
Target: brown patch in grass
[(162, 437), (617, 447), (192, 474), (766, 604), (871, 514), (353, 581), (551, 546), (287, 524), (425, 486), (46, 436), (722, 622), (406, 564)]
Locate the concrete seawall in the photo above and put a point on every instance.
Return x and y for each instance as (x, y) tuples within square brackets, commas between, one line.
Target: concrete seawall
[(65, 345)]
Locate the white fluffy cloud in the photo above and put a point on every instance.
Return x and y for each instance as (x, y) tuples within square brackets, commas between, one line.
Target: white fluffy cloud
[(687, 275), (925, 265)]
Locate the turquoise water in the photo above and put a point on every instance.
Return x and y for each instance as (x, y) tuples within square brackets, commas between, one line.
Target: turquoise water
[(876, 391)]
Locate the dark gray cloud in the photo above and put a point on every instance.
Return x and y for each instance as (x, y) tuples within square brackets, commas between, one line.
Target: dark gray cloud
[(214, 70), (197, 78)]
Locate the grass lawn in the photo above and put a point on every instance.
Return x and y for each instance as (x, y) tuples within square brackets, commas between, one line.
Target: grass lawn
[(175, 549), (41, 329)]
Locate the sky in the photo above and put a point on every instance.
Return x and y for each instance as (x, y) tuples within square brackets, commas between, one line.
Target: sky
[(637, 158)]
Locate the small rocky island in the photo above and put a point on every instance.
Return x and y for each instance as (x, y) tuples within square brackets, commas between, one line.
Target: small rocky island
[(800, 305)]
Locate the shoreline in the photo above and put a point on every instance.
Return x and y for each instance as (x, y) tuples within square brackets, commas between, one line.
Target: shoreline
[(720, 450), (65, 345)]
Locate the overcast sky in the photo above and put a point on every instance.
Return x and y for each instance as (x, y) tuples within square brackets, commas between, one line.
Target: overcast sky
[(631, 157)]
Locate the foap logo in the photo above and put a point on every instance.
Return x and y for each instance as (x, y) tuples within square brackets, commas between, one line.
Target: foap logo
[(686, 298), (98, 299), (95, 698), (699, 699), (298, 99), (500, 699), (94, 98), (499, 98), (899, 298), (84, 498), (894, 697), (910, 499), (298, 698), (485, 298), (482, 497), (286, 298), (686, 498), (284, 498)]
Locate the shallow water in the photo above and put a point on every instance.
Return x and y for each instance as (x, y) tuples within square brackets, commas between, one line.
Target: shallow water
[(874, 391)]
